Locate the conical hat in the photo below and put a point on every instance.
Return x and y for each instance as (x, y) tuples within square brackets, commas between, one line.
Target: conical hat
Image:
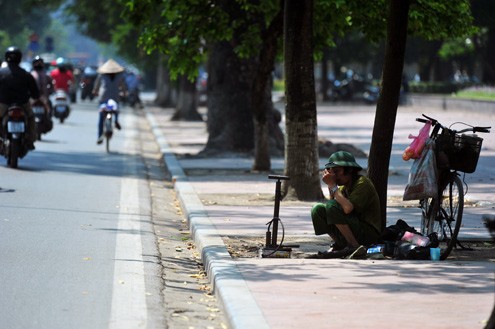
[(110, 66)]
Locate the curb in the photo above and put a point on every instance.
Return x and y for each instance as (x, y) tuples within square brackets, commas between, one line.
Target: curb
[(239, 306)]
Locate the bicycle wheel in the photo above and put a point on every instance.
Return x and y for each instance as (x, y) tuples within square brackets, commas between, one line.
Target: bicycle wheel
[(427, 212), (446, 220), (107, 143)]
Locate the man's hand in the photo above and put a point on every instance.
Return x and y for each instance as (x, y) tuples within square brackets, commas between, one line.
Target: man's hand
[(329, 177)]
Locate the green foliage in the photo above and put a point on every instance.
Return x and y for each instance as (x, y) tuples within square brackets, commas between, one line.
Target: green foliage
[(4, 40), (440, 19), (480, 93), (278, 85), (435, 87), (456, 47), (20, 19)]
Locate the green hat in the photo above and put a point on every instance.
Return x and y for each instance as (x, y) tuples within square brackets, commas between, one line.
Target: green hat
[(342, 159)]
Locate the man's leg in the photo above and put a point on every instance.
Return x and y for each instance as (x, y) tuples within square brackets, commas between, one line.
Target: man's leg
[(322, 225), (345, 230), (101, 118), (116, 115), (31, 127)]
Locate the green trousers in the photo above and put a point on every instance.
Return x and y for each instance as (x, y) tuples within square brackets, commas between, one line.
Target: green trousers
[(326, 215)]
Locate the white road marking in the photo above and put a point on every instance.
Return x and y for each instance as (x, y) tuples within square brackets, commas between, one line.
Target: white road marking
[(129, 296)]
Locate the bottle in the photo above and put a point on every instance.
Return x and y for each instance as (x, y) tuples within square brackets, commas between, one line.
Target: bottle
[(375, 249), (416, 239), (375, 252)]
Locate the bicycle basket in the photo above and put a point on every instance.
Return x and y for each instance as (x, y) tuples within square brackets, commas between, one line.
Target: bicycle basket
[(459, 152), (466, 153)]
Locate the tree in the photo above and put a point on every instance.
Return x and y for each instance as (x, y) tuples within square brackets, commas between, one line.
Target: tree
[(19, 20), (431, 20), (386, 109), (301, 150), (183, 33), (483, 11), (187, 104), (107, 26)]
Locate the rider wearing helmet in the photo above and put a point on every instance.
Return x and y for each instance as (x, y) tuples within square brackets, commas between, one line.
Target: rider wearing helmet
[(62, 76), (44, 82), (18, 86)]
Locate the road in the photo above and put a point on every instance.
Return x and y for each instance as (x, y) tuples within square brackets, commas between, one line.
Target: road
[(77, 243)]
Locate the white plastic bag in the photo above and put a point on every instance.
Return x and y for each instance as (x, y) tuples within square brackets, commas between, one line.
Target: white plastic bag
[(423, 176)]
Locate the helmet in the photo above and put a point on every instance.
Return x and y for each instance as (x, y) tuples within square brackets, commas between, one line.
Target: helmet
[(13, 55), (38, 63), (62, 64)]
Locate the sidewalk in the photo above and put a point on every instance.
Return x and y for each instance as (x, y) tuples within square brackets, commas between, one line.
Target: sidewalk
[(306, 293)]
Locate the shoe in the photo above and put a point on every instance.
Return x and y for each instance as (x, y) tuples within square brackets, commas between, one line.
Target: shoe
[(335, 247), (333, 254), (313, 256), (117, 125), (99, 140), (359, 253), (347, 252)]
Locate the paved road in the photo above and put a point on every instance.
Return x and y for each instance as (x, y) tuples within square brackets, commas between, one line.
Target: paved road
[(76, 243)]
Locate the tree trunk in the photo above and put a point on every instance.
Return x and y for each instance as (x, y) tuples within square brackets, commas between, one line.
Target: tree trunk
[(187, 104), (489, 58), (266, 129), (165, 92), (230, 118), (301, 148), (386, 109)]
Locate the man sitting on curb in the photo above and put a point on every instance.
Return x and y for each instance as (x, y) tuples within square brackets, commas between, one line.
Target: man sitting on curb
[(352, 214)]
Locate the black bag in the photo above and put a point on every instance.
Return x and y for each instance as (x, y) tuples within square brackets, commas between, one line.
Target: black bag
[(407, 250), (396, 231), (398, 249)]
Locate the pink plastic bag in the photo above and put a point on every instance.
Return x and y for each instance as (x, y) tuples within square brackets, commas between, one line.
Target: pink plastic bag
[(414, 150)]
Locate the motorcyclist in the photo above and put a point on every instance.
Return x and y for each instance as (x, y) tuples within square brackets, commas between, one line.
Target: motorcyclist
[(18, 86), (111, 81), (62, 76), (132, 81), (44, 82)]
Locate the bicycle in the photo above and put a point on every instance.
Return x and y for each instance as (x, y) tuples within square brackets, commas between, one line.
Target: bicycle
[(108, 111), (455, 152)]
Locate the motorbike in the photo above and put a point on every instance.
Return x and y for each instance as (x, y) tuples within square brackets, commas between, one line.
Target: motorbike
[(42, 118), (87, 83), (61, 107), (133, 98), (14, 130), (371, 94)]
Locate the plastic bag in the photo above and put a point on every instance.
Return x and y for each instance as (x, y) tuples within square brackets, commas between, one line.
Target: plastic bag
[(414, 150), (423, 176)]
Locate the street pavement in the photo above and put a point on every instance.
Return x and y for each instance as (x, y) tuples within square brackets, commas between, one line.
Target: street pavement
[(311, 293)]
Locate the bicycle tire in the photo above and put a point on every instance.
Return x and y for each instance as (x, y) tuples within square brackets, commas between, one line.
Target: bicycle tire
[(107, 143), (445, 217)]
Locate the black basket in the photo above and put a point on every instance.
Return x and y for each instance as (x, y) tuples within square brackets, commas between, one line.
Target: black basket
[(458, 152)]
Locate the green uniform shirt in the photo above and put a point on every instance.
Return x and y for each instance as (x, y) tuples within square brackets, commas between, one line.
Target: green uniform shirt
[(365, 200)]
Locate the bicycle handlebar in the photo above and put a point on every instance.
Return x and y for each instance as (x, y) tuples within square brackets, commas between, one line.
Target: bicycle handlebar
[(435, 122)]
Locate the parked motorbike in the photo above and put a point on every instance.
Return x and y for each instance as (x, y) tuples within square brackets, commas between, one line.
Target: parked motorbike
[(371, 94), (14, 130), (61, 107), (354, 88), (42, 118)]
